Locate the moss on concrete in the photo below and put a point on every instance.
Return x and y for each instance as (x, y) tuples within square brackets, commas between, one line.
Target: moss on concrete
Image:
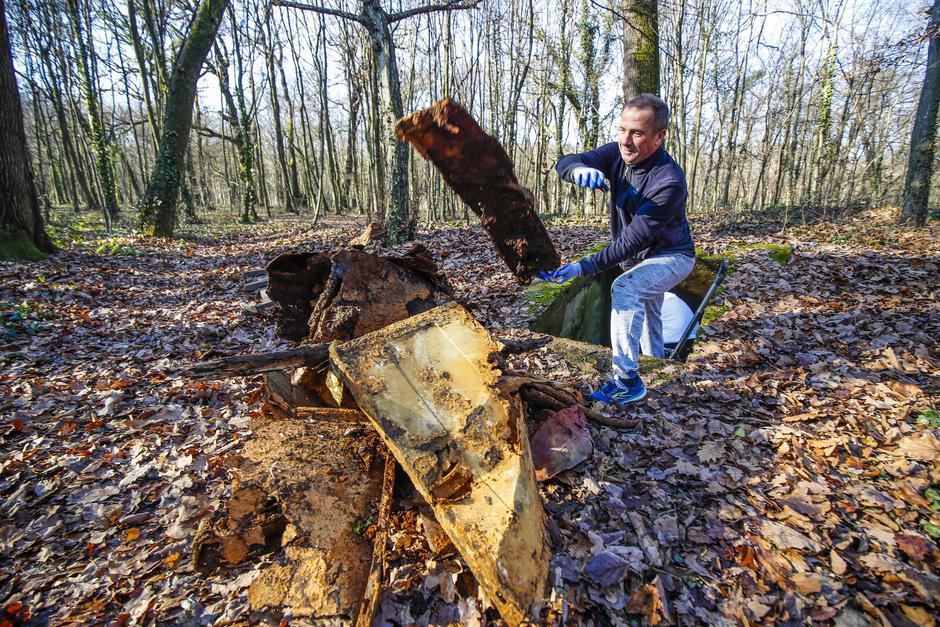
[(17, 247), (541, 294), (577, 309)]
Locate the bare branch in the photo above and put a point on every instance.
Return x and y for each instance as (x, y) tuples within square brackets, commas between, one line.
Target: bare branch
[(317, 9), (208, 132), (451, 5)]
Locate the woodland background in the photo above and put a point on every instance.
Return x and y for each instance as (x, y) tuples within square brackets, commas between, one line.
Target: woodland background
[(790, 104), (787, 473)]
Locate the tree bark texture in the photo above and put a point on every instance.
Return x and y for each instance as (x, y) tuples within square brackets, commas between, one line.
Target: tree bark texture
[(920, 162), (158, 207), (477, 167), (20, 215), (640, 48), (397, 215), (88, 78)]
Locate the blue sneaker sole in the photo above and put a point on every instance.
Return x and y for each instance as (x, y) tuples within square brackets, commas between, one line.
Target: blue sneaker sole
[(622, 397), (626, 400)]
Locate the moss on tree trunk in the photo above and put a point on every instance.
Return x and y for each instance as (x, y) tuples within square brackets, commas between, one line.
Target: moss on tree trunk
[(158, 206), (640, 48), (22, 235)]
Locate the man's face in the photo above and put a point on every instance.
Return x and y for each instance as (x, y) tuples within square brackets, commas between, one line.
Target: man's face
[(638, 137)]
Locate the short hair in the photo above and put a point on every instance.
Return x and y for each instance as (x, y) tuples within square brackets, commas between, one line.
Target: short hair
[(660, 110)]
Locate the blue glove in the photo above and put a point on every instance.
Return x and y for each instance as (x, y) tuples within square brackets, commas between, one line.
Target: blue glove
[(566, 273), (543, 275), (591, 178)]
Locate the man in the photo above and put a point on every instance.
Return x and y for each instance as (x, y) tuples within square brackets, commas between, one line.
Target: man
[(650, 236)]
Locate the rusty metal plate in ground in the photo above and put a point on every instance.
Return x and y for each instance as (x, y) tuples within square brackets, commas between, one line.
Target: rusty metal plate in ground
[(429, 387), (327, 479)]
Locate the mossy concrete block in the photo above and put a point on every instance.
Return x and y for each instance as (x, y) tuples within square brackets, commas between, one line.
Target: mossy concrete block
[(579, 309)]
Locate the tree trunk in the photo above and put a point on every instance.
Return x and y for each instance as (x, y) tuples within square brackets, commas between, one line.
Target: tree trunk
[(640, 48), (920, 162), (20, 216), (287, 193), (397, 215), (85, 57), (158, 207)]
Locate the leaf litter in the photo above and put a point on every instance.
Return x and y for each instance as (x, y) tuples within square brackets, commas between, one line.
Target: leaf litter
[(786, 474)]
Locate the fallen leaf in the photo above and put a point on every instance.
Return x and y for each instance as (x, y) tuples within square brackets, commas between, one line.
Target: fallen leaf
[(926, 584), (923, 446), (837, 563), (646, 601), (561, 442), (606, 568), (918, 615), (711, 451), (914, 546), (784, 537)]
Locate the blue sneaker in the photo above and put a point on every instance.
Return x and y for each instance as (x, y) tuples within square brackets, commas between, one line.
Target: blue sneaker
[(616, 390)]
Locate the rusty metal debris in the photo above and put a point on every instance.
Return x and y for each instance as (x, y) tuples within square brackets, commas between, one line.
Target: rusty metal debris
[(431, 392), (343, 294), (477, 167), (562, 441), (382, 375), (311, 490)]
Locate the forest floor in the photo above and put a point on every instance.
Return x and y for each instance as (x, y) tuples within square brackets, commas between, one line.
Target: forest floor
[(788, 473)]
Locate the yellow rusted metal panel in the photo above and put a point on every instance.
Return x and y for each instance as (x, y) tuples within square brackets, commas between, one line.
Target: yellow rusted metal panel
[(434, 396)]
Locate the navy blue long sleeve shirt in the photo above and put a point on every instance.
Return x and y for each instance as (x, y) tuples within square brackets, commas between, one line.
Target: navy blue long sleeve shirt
[(647, 206)]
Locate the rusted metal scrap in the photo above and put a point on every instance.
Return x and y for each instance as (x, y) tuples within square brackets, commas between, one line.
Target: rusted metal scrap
[(315, 492), (477, 167), (343, 294), (429, 388)]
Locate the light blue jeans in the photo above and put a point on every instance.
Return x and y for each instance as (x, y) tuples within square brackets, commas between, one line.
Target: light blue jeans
[(637, 301)]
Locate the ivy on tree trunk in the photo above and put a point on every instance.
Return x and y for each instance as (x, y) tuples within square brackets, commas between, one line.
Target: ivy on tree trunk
[(158, 206)]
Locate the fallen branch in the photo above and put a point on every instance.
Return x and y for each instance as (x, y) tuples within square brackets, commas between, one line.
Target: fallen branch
[(372, 594), (305, 355), (549, 396), (331, 413), (255, 363), (515, 347)]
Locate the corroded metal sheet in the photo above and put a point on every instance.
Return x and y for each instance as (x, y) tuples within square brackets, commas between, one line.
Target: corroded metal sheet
[(429, 387), (346, 293), (477, 167), (327, 481)]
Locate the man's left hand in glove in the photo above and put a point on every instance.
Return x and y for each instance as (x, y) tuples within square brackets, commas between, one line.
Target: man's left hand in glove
[(562, 274)]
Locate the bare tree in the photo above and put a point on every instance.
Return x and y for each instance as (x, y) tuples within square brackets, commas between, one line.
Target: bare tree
[(377, 22), (158, 206), (920, 162)]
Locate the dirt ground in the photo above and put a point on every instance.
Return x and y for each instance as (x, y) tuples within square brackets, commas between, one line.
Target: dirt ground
[(788, 473)]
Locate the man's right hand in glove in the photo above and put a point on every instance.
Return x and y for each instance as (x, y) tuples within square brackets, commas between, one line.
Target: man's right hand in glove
[(591, 178)]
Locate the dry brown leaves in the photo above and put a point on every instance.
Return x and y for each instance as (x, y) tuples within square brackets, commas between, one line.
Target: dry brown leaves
[(787, 474)]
